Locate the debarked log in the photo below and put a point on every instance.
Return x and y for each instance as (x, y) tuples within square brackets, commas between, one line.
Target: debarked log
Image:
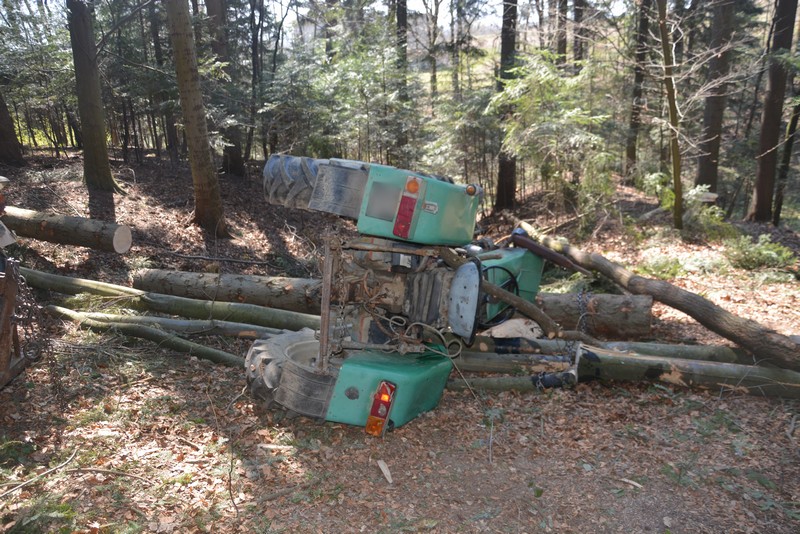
[(66, 230)]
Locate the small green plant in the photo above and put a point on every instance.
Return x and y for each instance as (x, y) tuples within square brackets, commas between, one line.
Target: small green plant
[(763, 254), (662, 267)]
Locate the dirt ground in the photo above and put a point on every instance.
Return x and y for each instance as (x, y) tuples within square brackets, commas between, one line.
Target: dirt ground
[(119, 435)]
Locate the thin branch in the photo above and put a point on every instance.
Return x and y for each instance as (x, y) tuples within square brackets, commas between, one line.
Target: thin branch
[(40, 475), (120, 22)]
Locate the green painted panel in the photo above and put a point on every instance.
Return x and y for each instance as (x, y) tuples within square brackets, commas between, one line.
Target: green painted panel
[(523, 264), (420, 380), (444, 213)]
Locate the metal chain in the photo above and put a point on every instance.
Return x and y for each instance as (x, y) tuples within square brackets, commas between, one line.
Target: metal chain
[(34, 342)]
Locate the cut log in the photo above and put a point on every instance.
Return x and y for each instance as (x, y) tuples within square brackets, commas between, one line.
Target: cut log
[(520, 345), (613, 316), (295, 294), (609, 316), (764, 343), (65, 230), (197, 309), (601, 364)]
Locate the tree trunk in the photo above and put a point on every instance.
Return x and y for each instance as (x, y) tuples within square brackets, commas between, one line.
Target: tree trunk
[(609, 316), (208, 211), (520, 345), (198, 309), (162, 97), (561, 33), (580, 37), (10, 148), (295, 294), (786, 161), (599, 364), (96, 167), (714, 112), (769, 140), (765, 344), (80, 231), (674, 118), (640, 58), (615, 316), (505, 196)]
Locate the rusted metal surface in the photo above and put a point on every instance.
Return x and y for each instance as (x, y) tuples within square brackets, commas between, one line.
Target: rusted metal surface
[(12, 361)]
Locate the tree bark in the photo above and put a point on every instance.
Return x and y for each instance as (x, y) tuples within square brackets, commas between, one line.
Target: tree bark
[(198, 309), (769, 139), (208, 211), (765, 344), (714, 112), (189, 327), (615, 316), (674, 118), (561, 33), (786, 162), (506, 193), (295, 294), (96, 167), (600, 364), (10, 148), (80, 231), (640, 57)]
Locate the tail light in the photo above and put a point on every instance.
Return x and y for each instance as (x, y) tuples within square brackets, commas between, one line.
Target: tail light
[(408, 203), (381, 408)]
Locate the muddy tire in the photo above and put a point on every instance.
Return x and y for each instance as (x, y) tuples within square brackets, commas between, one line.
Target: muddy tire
[(289, 180)]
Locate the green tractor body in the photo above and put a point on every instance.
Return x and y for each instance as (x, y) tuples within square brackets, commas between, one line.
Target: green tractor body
[(388, 290)]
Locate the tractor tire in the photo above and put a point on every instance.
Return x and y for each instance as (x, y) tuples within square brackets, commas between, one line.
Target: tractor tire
[(281, 370), (289, 180)]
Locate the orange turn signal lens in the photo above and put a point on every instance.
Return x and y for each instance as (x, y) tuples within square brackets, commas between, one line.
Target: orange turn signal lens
[(412, 186), (472, 190)]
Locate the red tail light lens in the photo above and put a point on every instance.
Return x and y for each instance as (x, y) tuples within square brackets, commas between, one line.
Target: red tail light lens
[(381, 408)]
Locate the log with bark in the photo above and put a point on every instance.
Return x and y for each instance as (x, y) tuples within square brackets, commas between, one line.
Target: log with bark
[(765, 344), (198, 309), (66, 230), (521, 345), (613, 316), (295, 294)]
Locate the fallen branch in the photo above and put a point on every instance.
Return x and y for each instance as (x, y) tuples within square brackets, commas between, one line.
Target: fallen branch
[(40, 475), (190, 327), (197, 309), (764, 343), (152, 334), (600, 364)]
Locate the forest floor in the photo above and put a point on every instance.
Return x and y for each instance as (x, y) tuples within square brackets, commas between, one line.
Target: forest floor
[(119, 435)]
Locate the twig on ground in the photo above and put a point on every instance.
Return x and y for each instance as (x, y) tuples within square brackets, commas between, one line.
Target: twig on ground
[(285, 491), (40, 475), (108, 472)]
